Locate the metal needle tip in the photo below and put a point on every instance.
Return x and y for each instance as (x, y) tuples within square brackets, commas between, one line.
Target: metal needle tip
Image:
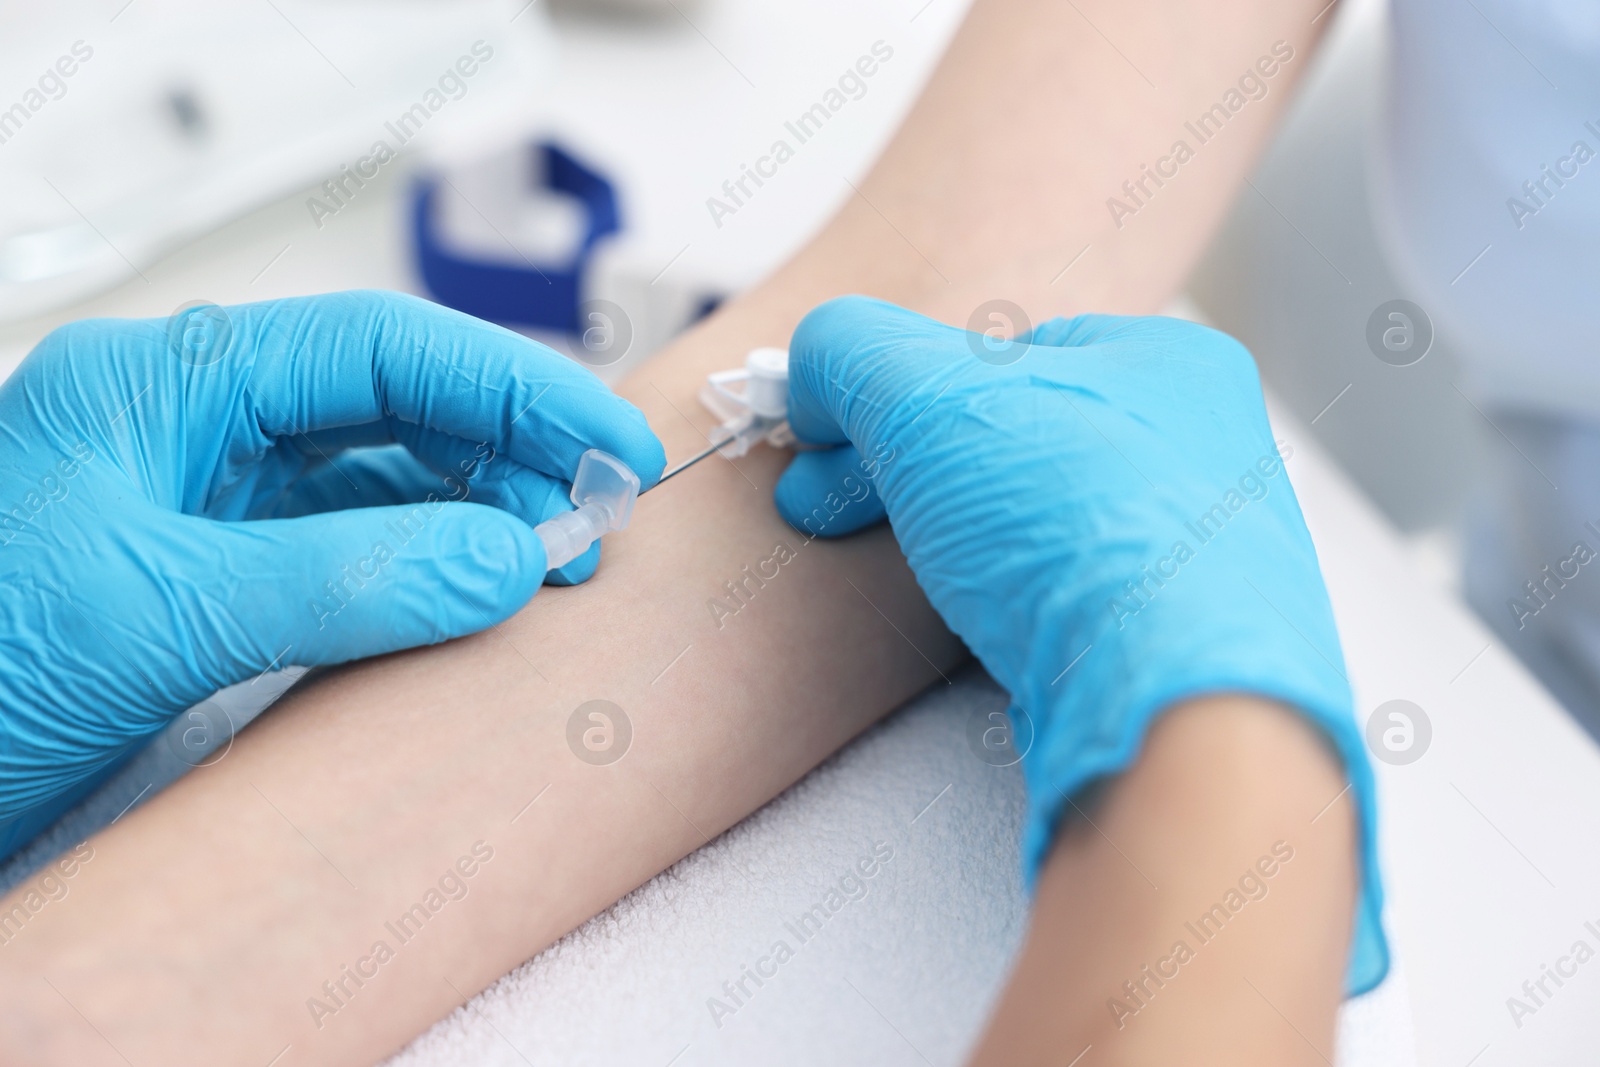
[(686, 464)]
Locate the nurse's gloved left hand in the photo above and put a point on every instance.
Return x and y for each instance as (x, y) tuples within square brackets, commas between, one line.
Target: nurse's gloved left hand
[(178, 511)]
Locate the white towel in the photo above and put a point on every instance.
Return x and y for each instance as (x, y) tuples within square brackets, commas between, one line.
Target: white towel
[(905, 974)]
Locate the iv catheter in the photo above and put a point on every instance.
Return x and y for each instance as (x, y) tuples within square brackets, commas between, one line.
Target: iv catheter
[(750, 416), (604, 489)]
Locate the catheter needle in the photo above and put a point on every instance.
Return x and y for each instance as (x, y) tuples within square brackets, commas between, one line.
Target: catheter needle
[(686, 464)]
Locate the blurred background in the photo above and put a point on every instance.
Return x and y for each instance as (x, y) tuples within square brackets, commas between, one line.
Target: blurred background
[(572, 166)]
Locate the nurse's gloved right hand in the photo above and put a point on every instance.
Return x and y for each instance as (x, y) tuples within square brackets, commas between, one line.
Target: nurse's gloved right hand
[(178, 512), (1102, 515)]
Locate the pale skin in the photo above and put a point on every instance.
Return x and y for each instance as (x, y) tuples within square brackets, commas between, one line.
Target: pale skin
[(1223, 782), (208, 917)]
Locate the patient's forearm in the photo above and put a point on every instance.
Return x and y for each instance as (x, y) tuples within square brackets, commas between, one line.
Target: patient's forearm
[(1203, 916), (1025, 170)]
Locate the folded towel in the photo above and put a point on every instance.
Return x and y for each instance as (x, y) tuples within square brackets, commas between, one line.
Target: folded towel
[(868, 915)]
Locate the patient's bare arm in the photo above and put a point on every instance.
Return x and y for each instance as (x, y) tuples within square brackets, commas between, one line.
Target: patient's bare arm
[(241, 911)]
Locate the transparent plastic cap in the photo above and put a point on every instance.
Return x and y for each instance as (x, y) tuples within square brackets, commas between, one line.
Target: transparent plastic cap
[(604, 491), (605, 480)]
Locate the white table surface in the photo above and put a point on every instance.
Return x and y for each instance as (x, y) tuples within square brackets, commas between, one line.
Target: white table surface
[(1488, 837)]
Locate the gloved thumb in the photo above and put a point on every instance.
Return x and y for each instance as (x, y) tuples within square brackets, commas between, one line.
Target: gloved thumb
[(850, 378), (343, 585), (860, 372), (829, 493)]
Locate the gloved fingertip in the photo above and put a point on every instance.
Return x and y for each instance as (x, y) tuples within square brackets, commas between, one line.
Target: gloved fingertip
[(799, 488), (842, 316), (577, 571), (825, 494), (1078, 331), (788, 496), (644, 453), (492, 559)]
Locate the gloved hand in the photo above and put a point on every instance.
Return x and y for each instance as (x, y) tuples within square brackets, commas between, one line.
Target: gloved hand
[(171, 519), (1105, 522)]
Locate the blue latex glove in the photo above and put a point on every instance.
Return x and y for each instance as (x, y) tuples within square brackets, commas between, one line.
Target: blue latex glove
[(174, 517), (1105, 522)]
